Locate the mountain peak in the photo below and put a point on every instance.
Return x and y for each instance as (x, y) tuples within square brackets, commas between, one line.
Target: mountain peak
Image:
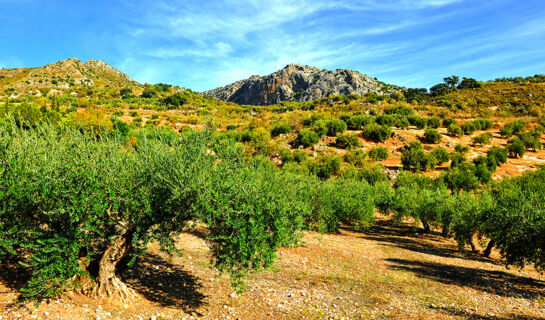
[(298, 82)]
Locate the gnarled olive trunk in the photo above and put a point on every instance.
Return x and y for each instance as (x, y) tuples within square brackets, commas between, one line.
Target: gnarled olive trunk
[(108, 284)]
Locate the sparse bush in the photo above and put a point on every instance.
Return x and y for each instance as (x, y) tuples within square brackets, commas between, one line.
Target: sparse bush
[(377, 133), (347, 141), (455, 130), (378, 153), (482, 139), (279, 129), (335, 126), (516, 148), (440, 154), (320, 127), (432, 136), (307, 138), (433, 122), (415, 159)]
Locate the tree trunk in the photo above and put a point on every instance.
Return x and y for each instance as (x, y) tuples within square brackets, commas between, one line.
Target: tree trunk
[(489, 247), (472, 245), (446, 230), (427, 228), (108, 284)]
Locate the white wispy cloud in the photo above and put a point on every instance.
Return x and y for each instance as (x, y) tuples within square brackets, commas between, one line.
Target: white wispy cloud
[(212, 43)]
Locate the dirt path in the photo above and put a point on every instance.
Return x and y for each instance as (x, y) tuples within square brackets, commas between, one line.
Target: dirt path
[(386, 272)]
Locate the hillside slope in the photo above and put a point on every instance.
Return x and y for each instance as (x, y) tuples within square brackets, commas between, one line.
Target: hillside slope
[(62, 76), (301, 83)]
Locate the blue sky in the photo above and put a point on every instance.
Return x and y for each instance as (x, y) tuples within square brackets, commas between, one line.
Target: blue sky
[(205, 44)]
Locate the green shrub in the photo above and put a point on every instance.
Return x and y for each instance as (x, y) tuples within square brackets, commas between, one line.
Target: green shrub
[(358, 122), (462, 177), (414, 158), (432, 136), (418, 121), (440, 154), (516, 148), (399, 110), (460, 148), (513, 128), (335, 126), (279, 129), (320, 127), (482, 139), (386, 120), (433, 122), (498, 154), (448, 121), (377, 133), (357, 158), (325, 166), (347, 141), (306, 138), (455, 130), (531, 140), (468, 127), (378, 153)]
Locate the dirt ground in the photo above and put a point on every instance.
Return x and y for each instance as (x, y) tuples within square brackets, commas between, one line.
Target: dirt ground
[(388, 272)]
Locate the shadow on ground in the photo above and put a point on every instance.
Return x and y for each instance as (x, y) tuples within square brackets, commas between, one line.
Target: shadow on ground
[(400, 234), (13, 275), (476, 316), (495, 282), (164, 283)]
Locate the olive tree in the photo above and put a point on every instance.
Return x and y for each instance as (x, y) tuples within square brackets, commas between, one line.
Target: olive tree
[(76, 205)]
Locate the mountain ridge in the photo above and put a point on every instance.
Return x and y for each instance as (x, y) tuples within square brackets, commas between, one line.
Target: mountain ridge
[(296, 82)]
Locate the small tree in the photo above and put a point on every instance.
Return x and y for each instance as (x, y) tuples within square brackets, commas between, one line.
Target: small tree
[(432, 136), (377, 133), (378, 153), (482, 139), (280, 128), (347, 141), (335, 126), (306, 138), (440, 154), (516, 148), (433, 122)]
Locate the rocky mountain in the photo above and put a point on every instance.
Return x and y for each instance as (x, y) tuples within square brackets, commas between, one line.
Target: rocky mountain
[(61, 76), (301, 83)]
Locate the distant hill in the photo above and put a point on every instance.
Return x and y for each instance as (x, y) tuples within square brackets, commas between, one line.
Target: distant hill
[(299, 83), (61, 76)]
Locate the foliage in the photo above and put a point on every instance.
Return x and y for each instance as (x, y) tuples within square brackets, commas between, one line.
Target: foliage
[(347, 141), (516, 148), (432, 136), (440, 154), (415, 159), (512, 128), (377, 133), (455, 130), (335, 126), (325, 166), (482, 139), (279, 129), (378, 153), (306, 138)]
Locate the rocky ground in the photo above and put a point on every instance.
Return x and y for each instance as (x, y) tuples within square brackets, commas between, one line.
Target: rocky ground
[(389, 271)]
